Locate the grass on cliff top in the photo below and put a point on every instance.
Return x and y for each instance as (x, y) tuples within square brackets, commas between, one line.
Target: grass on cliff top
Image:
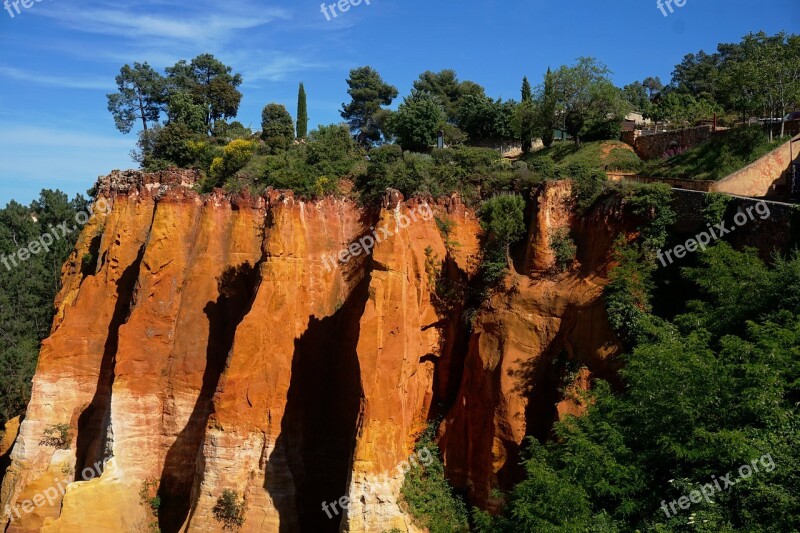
[(715, 159), (603, 155)]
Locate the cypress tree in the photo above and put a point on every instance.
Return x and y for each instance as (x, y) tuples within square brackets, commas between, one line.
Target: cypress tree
[(526, 116), (548, 110), (302, 113)]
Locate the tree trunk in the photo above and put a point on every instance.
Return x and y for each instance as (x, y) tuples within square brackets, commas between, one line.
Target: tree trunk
[(783, 123)]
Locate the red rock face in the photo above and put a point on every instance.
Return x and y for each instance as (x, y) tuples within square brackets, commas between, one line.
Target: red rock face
[(218, 347)]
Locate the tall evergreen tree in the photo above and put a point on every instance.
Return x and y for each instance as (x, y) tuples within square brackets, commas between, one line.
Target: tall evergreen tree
[(302, 113), (526, 116), (547, 115)]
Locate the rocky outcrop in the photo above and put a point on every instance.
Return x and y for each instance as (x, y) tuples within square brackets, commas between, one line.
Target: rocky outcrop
[(541, 339), (291, 352)]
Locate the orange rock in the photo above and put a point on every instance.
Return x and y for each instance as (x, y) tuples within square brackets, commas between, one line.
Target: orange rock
[(219, 345)]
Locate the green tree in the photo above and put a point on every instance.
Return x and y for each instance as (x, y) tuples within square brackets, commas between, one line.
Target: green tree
[(365, 114), (586, 98), (526, 116), (212, 85), (139, 96), (417, 121), (503, 219), (547, 110), (637, 95), (181, 109), (448, 89), (302, 113), (653, 86), (483, 118), (277, 127)]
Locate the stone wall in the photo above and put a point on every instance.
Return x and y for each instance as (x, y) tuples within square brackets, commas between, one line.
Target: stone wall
[(654, 146), (692, 185), (766, 177), (775, 232)]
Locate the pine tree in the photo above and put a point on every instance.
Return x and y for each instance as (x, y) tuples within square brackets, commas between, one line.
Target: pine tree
[(302, 113)]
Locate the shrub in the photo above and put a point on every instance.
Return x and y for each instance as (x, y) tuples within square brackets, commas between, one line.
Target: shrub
[(229, 510), (169, 148), (603, 131), (148, 496), (588, 183), (544, 167), (564, 248), (429, 496), (417, 121), (56, 436), (651, 204), (715, 206), (235, 156), (332, 151)]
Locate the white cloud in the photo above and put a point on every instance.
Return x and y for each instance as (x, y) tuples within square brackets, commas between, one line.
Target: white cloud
[(217, 22), (56, 81)]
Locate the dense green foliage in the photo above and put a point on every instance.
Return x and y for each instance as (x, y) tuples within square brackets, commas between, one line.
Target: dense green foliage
[(311, 169), (27, 291), (475, 173), (587, 100), (715, 159), (630, 286), (277, 127), (417, 121), (547, 110), (711, 391), (428, 495)]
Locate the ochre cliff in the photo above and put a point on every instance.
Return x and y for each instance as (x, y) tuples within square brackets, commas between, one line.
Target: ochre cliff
[(203, 343)]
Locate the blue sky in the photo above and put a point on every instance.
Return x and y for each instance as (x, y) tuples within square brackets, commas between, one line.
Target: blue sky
[(58, 58)]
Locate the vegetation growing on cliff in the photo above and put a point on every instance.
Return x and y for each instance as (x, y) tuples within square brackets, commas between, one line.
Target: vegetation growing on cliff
[(428, 495), (712, 390), (630, 284), (229, 510)]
